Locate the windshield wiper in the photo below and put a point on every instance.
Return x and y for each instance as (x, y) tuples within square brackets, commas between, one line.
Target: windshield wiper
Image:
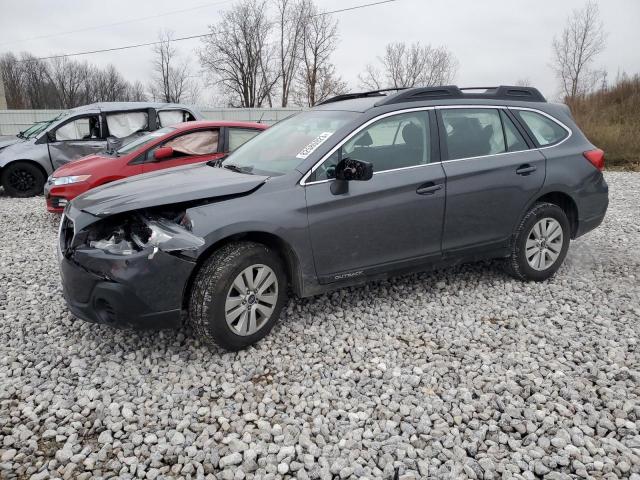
[(217, 162), (236, 168)]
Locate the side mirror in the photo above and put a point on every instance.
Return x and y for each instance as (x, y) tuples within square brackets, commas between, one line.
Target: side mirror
[(51, 137), (350, 169), (347, 170), (162, 153)]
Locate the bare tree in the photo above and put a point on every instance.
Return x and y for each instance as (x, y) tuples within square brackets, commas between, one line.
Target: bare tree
[(38, 90), (135, 92), (172, 79), (68, 78), (574, 51), (291, 22), (523, 82), (317, 79), (238, 56), (12, 80), (405, 65)]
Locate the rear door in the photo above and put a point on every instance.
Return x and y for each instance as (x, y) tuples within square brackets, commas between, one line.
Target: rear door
[(77, 137), (192, 147), (493, 171), (392, 220)]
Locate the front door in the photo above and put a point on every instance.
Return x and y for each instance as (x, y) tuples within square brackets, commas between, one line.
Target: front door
[(75, 138), (395, 217), (492, 171)]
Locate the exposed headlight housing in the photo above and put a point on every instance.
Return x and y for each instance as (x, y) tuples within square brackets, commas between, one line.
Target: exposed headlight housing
[(69, 179), (136, 232)]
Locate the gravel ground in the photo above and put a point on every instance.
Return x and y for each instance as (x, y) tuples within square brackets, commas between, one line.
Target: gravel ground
[(459, 373)]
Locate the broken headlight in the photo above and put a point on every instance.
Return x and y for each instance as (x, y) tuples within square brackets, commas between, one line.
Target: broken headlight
[(137, 232)]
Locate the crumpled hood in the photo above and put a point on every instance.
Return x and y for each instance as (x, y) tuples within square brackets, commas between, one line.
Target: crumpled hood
[(165, 187)]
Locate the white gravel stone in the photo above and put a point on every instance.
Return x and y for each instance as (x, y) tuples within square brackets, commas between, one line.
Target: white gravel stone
[(461, 372)]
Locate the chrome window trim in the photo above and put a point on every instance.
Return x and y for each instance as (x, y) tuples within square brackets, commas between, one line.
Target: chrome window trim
[(303, 181)]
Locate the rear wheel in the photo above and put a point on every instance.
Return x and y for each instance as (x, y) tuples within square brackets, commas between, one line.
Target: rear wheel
[(22, 179), (540, 243), (237, 295)]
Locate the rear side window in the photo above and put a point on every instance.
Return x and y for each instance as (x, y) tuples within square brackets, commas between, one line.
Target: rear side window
[(127, 123), (238, 136), (545, 130), (171, 117), (472, 132)]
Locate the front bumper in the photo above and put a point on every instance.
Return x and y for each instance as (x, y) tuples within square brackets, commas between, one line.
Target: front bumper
[(58, 196), (131, 291)]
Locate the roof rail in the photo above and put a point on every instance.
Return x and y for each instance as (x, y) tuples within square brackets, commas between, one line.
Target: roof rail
[(350, 96), (502, 92)]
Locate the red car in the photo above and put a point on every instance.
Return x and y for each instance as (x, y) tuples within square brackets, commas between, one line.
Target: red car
[(168, 147)]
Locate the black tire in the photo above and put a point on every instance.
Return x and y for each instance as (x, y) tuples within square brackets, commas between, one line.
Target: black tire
[(22, 179), (517, 264), (214, 281)]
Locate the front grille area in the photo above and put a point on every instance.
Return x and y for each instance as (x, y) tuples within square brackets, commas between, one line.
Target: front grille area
[(66, 233)]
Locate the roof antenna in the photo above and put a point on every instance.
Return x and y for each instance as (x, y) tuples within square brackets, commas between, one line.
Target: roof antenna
[(261, 116)]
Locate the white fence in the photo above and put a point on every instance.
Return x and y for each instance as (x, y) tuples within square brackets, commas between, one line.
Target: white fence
[(14, 121)]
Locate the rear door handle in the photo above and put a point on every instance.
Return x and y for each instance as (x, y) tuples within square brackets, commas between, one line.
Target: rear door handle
[(525, 169), (428, 189)]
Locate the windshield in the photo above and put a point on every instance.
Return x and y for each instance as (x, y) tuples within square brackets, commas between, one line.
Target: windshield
[(143, 140), (281, 148), (38, 127)]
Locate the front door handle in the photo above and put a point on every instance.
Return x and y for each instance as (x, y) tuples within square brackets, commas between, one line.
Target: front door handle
[(428, 189), (525, 169)]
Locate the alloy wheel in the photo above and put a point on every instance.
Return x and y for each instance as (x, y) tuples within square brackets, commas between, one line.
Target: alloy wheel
[(544, 243), (251, 299), (22, 180)]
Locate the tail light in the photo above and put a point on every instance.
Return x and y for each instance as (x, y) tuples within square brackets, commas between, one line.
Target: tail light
[(596, 157)]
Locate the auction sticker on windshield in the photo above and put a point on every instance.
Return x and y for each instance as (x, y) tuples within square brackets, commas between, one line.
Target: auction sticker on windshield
[(309, 149)]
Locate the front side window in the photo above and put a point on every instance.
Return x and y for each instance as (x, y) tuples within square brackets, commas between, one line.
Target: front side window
[(238, 136), (284, 146), (85, 128), (545, 130), (143, 140), (203, 142), (394, 142), (472, 132)]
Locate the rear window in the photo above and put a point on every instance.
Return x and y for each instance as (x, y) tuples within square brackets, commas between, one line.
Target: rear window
[(545, 130)]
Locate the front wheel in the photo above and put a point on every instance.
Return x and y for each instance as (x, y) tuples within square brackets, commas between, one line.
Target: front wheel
[(22, 179), (540, 243), (237, 295)]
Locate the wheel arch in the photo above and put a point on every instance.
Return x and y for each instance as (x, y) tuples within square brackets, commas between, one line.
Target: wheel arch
[(288, 256), (565, 202)]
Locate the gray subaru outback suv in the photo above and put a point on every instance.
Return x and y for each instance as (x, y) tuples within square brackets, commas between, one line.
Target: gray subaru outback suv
[(361, 187)]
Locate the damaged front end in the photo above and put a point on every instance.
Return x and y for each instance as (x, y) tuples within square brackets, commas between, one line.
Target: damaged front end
[(129, 269)]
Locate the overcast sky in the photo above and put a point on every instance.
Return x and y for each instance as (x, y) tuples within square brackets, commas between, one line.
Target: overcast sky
[(495, 41)]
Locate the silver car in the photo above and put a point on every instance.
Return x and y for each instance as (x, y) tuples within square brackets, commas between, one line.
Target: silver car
[(27, 160)]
